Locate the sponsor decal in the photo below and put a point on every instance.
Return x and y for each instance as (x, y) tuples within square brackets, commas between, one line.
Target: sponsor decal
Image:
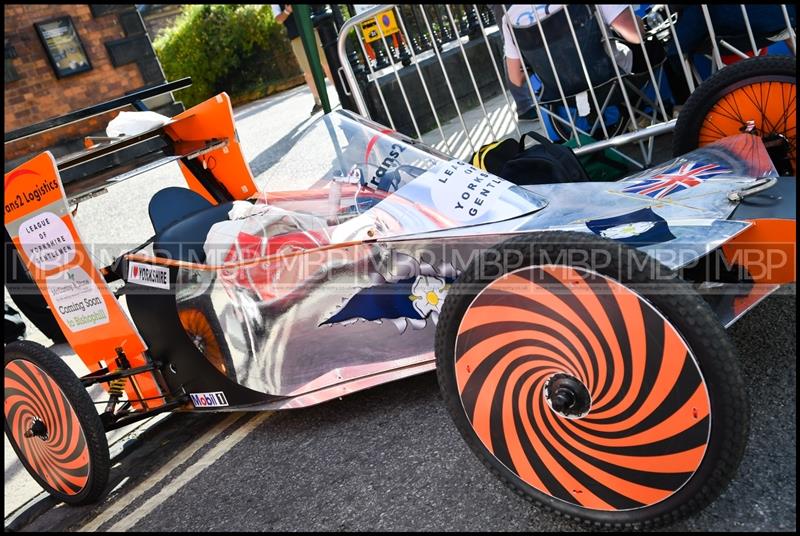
[(77, 300), (148, 275), (380, 180), (675, 178), (640, 228), (407, 301), (209, 400), (465, 193), (47, 241), (37, 191)]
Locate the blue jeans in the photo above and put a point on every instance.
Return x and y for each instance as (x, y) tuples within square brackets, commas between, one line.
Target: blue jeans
[(727, 20), (521, 94)]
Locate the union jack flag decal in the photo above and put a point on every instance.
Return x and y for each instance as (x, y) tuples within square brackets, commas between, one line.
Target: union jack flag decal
[(675, 179)]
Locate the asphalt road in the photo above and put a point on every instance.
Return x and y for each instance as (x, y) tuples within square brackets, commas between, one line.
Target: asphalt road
[(388, 458), (391, 459)]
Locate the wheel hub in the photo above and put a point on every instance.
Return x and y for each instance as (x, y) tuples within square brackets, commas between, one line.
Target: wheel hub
[(37, 429), (778, 147), (199, 342), (567, 396)]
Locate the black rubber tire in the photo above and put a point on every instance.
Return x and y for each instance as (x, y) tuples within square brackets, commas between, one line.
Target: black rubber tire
[(92, 446), (676, 301), (705, 97)]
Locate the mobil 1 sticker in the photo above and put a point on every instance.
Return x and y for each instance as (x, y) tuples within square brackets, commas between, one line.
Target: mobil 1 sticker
[(209, 400), (148, 275)]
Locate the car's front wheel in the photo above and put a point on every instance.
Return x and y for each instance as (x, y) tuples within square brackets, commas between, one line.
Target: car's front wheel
[(591, 380)]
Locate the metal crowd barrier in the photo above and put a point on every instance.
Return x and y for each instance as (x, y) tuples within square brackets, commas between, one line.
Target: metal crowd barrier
[(448, 29)]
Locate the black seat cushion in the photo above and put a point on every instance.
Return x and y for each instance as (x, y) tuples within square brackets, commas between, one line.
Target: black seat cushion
[(173, 204), (183, 240)]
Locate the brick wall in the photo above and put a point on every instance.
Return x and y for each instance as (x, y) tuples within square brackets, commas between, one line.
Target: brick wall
[(39, 95)]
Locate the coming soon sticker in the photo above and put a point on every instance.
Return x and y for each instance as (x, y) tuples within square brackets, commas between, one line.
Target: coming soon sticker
[(77, 299)]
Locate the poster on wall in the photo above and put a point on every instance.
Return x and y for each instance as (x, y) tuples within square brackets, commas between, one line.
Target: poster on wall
[(64, 48)]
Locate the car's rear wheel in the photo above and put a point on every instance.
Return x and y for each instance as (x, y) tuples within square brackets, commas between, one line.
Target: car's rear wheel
[(757, 95), (591, 380), (53, 425)]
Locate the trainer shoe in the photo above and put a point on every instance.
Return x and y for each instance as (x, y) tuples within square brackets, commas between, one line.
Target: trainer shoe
[(530, 115)]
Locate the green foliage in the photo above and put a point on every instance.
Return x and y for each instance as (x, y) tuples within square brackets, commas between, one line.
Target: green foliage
[(225, 47)]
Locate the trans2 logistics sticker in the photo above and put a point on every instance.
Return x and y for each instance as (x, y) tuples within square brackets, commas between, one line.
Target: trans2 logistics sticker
[(209, 400), (77, 299), (47, 241), (148, 275)]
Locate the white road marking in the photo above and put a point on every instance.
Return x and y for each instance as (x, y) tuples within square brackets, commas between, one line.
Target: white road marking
[(159, 475), (190, 473)]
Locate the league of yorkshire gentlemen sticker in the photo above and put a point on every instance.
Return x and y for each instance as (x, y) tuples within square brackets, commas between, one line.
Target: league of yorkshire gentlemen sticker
[(76, 299), (47, 241), (465, 193)]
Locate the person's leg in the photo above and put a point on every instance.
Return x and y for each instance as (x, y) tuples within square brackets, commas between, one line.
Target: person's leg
[(312, 86), (692, 31), (302, 61), (765, 20), (522, 98), (327, 70), (323, 58)]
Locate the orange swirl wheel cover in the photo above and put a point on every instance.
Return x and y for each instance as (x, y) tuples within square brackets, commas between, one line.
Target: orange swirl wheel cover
[(644, 429), (59, 454)]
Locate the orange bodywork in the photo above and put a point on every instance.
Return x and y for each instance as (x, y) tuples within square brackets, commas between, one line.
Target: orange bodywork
[(767, 250), (39, 222), (209, 120)]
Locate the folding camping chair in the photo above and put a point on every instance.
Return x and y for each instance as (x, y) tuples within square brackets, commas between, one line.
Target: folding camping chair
[(567, 54)]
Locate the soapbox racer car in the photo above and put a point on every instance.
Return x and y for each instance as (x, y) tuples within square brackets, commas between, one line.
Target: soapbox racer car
[(578, 329)]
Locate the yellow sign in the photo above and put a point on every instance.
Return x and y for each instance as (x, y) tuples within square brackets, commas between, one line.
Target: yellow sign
[(388, 25)]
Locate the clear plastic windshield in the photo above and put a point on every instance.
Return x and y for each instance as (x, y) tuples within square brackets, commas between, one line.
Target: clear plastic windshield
[(364, 181)]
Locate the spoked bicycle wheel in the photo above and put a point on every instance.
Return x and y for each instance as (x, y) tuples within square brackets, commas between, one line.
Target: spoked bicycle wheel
[(201, 325), (53, 425), (607, 391), (757, 95)]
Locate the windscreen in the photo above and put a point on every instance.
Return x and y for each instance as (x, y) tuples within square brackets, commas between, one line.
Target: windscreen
[(381, 184)]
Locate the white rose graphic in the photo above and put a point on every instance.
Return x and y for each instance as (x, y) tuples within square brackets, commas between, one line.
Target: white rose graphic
[(428, 295)]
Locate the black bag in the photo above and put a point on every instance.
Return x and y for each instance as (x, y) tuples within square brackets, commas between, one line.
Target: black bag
[(544, 163)]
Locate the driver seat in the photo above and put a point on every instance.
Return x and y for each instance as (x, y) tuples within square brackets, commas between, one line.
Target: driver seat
[(182, 219)]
